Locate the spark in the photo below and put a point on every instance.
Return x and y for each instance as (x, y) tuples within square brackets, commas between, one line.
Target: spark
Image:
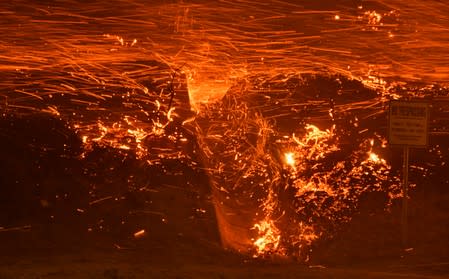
[(100, 200), (19, 228), (139, 234)]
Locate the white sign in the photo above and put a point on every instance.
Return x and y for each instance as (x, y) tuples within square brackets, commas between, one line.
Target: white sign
[(408, 123)]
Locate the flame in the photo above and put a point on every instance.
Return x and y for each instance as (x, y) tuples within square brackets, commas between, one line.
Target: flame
[(269, 237), (290, 159), (373, 157)]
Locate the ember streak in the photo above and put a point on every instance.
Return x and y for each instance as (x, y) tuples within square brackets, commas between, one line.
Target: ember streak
[(286, 99)]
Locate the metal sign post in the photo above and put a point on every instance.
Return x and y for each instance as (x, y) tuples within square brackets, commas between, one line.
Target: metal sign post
[(404, 217), (408, 127)]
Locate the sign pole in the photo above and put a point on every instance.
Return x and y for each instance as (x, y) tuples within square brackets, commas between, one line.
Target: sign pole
[(405, 198)]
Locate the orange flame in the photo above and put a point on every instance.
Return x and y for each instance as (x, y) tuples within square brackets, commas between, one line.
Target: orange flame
[(269, 237)]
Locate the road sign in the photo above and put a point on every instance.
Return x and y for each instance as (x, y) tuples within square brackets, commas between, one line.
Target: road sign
[(408, 123), (408, 127)]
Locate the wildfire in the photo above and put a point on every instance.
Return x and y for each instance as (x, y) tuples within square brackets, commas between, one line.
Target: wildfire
[(277, 144)]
